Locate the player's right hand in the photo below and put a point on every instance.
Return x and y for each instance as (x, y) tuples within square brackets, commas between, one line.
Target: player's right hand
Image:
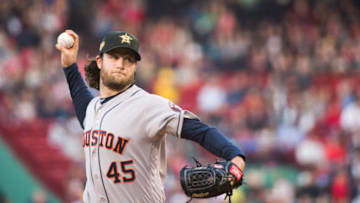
[(69, 55)]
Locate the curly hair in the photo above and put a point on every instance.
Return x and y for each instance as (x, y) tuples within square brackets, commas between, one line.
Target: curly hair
[(92, 74)]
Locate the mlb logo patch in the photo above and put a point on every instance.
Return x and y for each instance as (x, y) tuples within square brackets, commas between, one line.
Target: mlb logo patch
[(174, 107)]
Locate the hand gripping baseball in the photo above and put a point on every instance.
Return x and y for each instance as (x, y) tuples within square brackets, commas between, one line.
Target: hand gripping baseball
[(69, 55)]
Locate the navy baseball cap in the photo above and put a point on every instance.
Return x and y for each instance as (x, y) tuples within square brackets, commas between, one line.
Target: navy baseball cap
[(117, 39)]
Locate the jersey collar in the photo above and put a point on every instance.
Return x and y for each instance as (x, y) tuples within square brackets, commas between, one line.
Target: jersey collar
[(104, 100)]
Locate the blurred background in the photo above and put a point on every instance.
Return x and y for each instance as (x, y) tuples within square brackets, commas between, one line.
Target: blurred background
[(280, 78)]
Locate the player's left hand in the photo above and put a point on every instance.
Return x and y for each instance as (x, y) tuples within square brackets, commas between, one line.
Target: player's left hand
[(212, 180), (239, 162)]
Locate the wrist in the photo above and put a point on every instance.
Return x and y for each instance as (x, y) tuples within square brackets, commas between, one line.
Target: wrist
[(65, 66), (239, 162)]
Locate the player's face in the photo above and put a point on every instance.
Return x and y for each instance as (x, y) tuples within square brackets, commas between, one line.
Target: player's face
[(117, 68)]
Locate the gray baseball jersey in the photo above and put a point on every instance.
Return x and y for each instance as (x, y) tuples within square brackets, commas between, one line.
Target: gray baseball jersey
[(124, 145)]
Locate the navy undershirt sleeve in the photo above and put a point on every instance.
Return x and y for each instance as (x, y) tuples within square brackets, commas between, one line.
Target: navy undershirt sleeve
[(210, 138), (80, 93)]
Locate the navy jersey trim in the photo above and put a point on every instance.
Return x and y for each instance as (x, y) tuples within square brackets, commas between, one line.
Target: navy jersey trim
[(96, 104), (135, 92), (101, 174), (103, 101), (91, 173)]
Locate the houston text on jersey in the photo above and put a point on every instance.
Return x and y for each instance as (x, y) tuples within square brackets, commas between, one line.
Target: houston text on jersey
[(107, 140)]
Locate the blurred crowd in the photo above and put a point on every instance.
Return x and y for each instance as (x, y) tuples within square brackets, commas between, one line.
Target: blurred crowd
[(279, 78)]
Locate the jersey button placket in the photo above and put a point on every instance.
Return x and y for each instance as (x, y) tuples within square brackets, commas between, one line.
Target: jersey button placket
[(98, 115), (95, 153)]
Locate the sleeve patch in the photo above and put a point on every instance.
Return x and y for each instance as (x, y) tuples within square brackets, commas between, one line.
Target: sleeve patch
[(174, 107)]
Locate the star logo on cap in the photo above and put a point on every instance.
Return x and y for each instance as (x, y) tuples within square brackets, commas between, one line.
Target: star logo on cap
[(125, 38)]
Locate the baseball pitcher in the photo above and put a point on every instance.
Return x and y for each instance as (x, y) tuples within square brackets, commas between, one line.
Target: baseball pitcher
[(125, 129)]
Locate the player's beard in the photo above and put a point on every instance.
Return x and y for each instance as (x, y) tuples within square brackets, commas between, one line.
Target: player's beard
[(113, 82)]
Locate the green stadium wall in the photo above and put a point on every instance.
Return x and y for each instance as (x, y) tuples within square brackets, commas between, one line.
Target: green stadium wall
[(16, 183)]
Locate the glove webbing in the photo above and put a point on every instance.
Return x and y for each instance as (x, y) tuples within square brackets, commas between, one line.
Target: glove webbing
[(228, 194)]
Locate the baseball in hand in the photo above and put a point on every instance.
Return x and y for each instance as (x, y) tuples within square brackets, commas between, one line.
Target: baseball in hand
[(65, 40)]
